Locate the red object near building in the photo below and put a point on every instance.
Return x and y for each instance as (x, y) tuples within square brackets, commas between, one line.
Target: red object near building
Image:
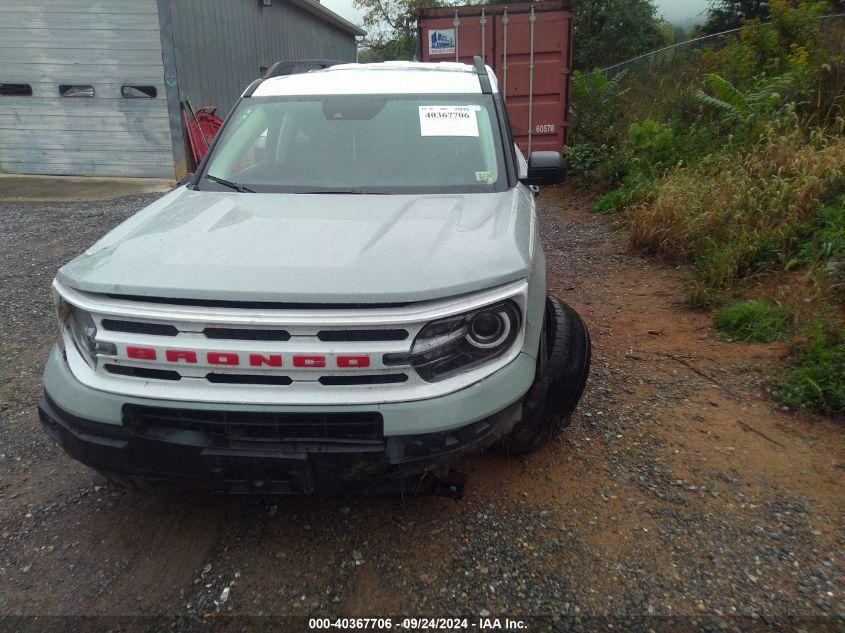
[(528, 45), (201, 125)]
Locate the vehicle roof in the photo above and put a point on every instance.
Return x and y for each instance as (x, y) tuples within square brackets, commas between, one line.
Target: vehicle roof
[(383, 78)]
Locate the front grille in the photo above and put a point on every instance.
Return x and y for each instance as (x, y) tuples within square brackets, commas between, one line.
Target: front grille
[(256, 379), (261, 426)]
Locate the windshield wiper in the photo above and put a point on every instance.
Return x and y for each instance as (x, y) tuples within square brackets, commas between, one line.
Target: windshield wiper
[(228, 183)]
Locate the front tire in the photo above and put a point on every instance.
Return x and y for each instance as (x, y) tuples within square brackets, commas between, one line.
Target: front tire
[(570, 355), (563, 366)]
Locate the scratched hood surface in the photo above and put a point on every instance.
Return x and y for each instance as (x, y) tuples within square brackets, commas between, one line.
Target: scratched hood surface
[(310, 248)]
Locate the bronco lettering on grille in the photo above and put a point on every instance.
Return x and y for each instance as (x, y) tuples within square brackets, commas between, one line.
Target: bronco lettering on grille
[(306, 361)]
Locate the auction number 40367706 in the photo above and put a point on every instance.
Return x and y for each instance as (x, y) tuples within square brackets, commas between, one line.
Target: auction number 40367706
[(418, 624)]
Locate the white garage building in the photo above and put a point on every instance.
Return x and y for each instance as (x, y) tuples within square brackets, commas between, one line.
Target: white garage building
[(92, 87)]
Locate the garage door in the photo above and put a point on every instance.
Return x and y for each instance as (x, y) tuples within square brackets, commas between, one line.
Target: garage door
[(82, 89)]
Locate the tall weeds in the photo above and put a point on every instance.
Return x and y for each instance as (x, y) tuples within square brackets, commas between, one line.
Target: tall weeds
[(734, 217)]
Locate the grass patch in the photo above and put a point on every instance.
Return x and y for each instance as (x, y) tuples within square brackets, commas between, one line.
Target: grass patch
[(815, 378), (755, 321), (822, 237), (613, 201), (632, 191), (735, 216)]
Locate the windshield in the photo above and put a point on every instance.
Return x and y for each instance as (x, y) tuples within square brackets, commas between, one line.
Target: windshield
[(360, 144)]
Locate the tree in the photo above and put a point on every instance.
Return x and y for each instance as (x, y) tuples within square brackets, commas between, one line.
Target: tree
[(391, 27), (724, 15), (611, 31)]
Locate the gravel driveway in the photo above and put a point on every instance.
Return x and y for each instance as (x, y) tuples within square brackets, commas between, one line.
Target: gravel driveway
[(681, 497)]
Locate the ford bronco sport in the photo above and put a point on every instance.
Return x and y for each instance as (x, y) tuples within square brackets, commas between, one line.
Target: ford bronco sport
[(348, 294)]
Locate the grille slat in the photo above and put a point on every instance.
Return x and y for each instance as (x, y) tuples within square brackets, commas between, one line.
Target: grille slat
[(247, 379), (143, 372), (139, 327), (260, 426), (341, 336), (375, 379), (243, 334)]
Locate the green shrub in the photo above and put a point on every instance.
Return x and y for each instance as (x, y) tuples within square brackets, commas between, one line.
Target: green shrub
[(815, 378), (597, 108), (597, 114), (764, 104), (612, 201), (822, 237), (790, 39), (653, 147), (755, 321), (584, 159)]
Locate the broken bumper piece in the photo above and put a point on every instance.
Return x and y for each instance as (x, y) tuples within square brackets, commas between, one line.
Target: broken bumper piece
[(224, 451)]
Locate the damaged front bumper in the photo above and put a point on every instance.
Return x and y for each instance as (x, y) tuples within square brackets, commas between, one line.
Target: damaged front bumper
[(199, 458)]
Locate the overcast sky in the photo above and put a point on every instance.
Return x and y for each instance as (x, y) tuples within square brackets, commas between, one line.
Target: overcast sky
[(683, 12)]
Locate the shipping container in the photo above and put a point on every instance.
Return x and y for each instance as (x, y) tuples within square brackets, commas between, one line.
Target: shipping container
[(528, 45)]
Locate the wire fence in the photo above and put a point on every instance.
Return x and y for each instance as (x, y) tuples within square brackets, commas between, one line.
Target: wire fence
[(684, 51)]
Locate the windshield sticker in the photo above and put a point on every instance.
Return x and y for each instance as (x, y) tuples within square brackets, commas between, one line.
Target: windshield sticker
[(448, 120), (484, 176)]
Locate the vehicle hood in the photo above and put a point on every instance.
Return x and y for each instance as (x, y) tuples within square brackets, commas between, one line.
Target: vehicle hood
[(304, 248)]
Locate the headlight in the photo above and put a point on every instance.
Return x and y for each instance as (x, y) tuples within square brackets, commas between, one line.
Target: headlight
[(83, 332), (457, 344)]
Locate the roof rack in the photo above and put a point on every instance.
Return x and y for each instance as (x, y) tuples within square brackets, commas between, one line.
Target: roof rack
[(291, 67), (296, 66), (483, 77)]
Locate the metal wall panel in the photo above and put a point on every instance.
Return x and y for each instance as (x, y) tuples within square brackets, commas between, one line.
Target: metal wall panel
[(103, 43), (221, 44)]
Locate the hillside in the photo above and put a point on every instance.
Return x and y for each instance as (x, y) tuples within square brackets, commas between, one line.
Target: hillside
[(729, 161)]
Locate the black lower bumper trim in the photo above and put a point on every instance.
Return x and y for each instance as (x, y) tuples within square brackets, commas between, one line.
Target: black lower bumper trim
[(198, 460)]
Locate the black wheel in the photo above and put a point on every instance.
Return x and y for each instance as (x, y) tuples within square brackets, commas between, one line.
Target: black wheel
[(562, 369), (570, 354)]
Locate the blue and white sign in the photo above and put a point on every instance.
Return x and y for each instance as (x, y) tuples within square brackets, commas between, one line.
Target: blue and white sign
[(441, 42)]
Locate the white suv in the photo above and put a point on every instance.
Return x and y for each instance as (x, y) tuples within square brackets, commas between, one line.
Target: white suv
[(349, 293)]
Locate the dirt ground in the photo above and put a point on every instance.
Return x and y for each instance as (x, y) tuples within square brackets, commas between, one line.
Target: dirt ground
[(680, 497), (26, 188)]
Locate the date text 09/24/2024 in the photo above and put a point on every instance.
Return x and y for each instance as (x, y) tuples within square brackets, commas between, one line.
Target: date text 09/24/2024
[(419, 624)]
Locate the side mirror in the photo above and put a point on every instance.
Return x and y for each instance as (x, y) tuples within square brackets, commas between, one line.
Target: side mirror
[(545, 168)]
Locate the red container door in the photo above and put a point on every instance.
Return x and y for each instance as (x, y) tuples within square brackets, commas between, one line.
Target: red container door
[(513, 37), (536, 101), (457, 38)]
